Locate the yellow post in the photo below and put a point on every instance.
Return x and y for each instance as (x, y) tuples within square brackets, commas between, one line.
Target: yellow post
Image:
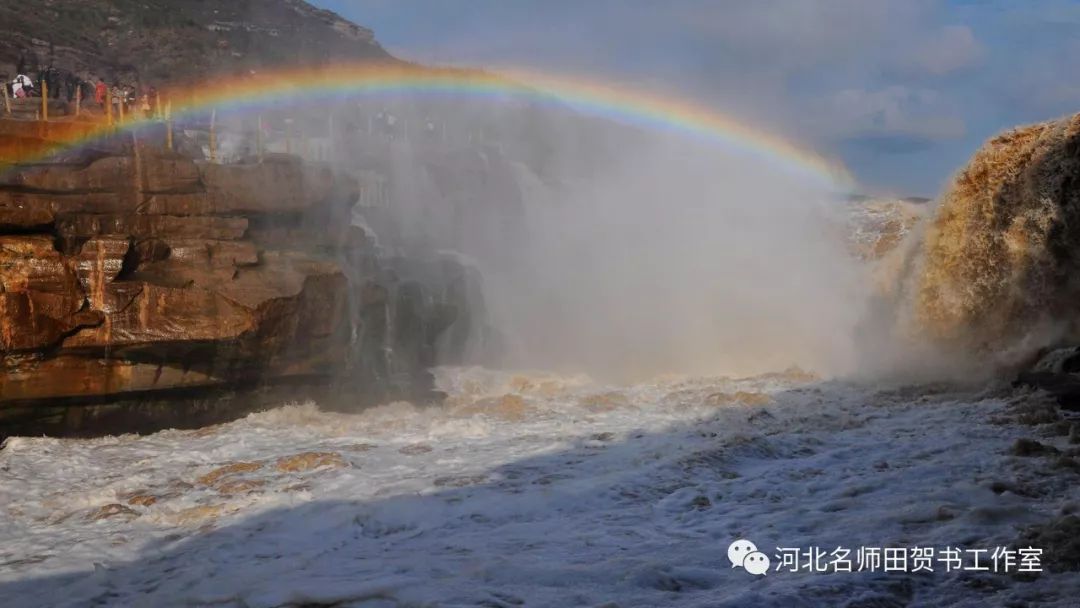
[(213, 136), (7, 100), (330, 135), (121, 107), (44, 100), (78, 100), (168, 125), (259, 139), (108, 106)]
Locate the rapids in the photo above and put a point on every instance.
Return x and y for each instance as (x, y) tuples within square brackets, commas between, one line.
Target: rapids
[(530, 489)]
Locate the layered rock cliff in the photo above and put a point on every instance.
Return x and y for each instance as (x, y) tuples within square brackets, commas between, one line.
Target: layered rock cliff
[(140, 289)]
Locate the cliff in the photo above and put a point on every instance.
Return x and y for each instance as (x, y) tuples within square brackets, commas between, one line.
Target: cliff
[(141, 289), (162, 41)]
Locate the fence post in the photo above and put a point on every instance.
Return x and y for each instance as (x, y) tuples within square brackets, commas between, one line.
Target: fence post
[(44, 100), (108, 106), (213, 136), (168, 125), (7, 100), (78, 100), (259, 139), (121, 106), (331, 150)]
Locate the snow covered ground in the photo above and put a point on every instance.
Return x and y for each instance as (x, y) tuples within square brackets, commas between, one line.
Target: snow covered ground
[(534, 490)]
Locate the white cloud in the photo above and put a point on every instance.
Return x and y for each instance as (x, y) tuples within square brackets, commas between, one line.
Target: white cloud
[(894, 111), (944, 51)]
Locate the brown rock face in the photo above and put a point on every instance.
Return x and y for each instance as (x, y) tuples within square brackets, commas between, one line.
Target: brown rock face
[(131, 291), (151, 226), (40, 295), (275, 186), (106, 175)]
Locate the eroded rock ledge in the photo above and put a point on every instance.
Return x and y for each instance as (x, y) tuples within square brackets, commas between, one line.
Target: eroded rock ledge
[(140, 289)]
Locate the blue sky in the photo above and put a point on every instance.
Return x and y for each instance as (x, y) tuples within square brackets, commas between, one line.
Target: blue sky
[(902, 90)]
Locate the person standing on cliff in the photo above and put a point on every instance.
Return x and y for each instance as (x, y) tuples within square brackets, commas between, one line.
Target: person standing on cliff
[(118, 97), (22, 86), (71, 86), (101, 91), (144, 105), (51, 78)]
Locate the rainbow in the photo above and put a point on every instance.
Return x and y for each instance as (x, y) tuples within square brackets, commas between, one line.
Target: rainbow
[(612, 101)]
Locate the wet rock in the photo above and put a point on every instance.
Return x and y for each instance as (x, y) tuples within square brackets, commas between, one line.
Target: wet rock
[(197, 515), (604, 402), (308, 461), (1060, 541), (236, 487), (142, 500), (1067, 463), (509, 407), (461, 481), (1000, 487), (740, 397), (1059, 361), (1063, 389), (1036, 409), (112, 510), (1060, 428), (1029, 447), (945, 514), (230, 469)]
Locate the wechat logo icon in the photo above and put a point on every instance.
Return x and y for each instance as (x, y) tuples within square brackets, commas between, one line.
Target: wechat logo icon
[(744, 554)]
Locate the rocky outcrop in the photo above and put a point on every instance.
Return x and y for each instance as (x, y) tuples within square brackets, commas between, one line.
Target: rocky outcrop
[(145, 289)]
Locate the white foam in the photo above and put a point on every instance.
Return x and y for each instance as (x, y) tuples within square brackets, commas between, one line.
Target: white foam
[(566, 493)]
